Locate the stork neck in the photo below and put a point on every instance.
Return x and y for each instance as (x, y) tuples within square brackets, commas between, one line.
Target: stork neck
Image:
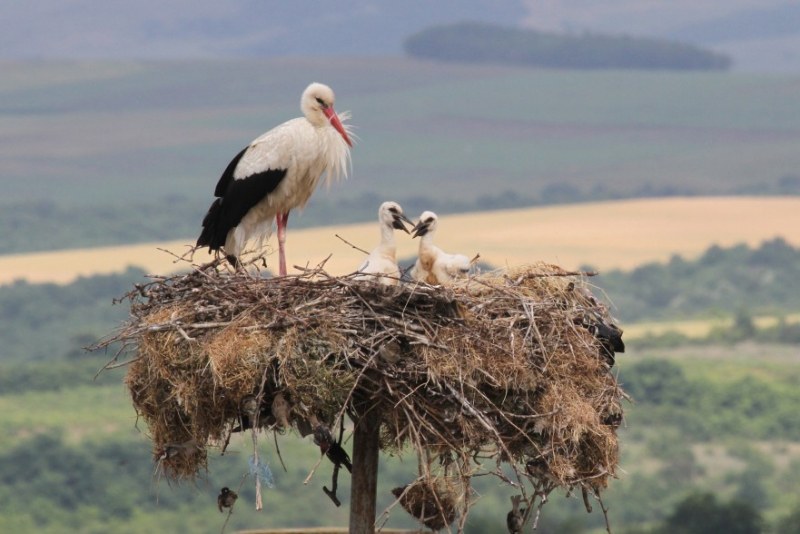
[(317, 120), (427, 239), (387, 235)]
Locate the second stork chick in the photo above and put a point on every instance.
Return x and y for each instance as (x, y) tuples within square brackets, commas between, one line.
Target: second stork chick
[(433, 265)]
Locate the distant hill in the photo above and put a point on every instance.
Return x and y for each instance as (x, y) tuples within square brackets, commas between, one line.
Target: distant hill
[(473, 42)]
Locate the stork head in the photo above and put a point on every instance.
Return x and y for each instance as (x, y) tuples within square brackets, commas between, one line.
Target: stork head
[(391, 215), (426, 225), (317, 106)]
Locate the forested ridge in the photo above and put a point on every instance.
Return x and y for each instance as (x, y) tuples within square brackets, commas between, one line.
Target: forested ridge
[(722, 281), (475, 42)]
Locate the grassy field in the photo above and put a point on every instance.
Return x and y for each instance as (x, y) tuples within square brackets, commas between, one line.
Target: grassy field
[(95, 411), (457, 132), (605, 235), (88, 414)]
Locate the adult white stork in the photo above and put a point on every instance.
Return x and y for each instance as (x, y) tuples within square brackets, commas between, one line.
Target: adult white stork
[(383, 259), (276, 173), (433, 265)]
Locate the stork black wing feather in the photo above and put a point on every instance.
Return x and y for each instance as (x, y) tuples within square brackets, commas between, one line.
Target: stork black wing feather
[(237, 197), (227, 175), (210, 225)]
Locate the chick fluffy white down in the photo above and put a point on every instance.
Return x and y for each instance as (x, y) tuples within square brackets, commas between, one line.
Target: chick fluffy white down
[(383, 258), (433, 265)]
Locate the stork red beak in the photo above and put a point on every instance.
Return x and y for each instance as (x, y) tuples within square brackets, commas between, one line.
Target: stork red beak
[(336, 123)]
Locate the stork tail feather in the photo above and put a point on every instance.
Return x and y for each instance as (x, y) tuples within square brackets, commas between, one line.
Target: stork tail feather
[(210, 236)]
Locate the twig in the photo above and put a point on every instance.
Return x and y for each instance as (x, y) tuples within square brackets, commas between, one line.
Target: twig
[(352, 245), (278, 450), (597, 496), (182, 258), (109, 366), (254, 424), (334, 484), (227, 518), (542, 501), (311, 473), (184, 335), (259, 503)]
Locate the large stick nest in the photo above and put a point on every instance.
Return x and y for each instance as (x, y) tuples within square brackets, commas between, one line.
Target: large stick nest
[(513, 366)]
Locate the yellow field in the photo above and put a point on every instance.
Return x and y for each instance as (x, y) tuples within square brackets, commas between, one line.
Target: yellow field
[(621, 234), (697, 328)]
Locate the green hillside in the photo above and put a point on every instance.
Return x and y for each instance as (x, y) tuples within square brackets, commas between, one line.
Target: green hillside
[(718, 418), (722, 282), (702, 420), (101, 153)]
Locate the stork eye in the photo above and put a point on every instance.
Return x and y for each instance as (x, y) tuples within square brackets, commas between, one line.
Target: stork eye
[(321, 102), (393, 209)]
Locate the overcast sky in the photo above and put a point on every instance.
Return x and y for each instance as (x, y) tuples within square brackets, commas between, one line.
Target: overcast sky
[(760, 34)]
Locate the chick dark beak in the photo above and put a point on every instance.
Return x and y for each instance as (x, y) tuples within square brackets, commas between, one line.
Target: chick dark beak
[(399, 222), (420, 229)]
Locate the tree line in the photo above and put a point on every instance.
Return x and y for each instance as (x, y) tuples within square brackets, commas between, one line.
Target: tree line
[(49, 484), (475, 42), (723, 280), (707, 410)]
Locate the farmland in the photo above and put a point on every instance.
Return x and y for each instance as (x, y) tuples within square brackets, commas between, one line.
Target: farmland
[(102, 164), (719, 418), (698, 328), (98, 153), (605, 235)]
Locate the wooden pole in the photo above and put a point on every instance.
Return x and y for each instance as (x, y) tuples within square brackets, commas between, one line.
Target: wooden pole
[(364, 487)]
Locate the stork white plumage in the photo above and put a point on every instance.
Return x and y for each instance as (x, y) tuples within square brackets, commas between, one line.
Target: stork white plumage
[(383, 259), (276, 173), (433, 265)]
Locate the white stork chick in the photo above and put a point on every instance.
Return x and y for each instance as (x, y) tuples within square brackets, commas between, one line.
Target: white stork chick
[(276, 173), (383, 259), (433, 265)]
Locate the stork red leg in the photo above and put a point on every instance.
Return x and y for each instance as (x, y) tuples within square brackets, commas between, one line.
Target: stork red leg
[(282, 219)]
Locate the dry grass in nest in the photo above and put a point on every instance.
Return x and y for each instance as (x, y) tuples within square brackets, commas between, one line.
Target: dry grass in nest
[(432, 501), (507, 366)]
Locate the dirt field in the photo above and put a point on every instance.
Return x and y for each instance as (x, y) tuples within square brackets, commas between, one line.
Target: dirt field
[(606, 235)]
